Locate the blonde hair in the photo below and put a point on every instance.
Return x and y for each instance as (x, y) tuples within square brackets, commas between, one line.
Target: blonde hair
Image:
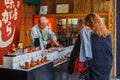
[(94, 22)]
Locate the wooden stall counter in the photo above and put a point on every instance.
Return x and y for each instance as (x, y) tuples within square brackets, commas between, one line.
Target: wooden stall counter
[(44, 71), (14, 66)]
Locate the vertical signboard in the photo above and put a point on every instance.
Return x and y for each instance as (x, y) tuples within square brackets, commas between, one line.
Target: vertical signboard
[(10, 19)]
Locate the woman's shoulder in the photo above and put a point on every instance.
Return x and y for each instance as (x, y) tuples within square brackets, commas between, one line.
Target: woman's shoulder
[(95, 35), (108, 37)]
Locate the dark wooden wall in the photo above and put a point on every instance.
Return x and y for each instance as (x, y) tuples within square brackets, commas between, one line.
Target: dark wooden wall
[(28, 12), (50, 4), (70, 2), (80, 6), (85, 6)]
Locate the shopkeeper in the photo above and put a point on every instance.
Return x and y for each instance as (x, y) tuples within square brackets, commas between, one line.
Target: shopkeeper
[(41, 30)]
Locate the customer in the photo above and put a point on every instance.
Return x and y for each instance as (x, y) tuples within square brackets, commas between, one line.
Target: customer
[(74, 54), (80, 25), (41, 30), (101, 64)]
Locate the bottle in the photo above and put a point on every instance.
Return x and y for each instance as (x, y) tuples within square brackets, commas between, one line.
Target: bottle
[(20, 45), (32, 63), (27, 65), (13, 49)]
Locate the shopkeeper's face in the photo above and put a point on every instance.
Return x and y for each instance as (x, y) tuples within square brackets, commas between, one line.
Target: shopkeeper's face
[(43, 23)]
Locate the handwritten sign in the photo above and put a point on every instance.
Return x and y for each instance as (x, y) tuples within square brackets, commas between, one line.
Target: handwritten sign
[(10, 19)]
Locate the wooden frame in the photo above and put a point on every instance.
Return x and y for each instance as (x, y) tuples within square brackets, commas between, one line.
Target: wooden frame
[(43, 9), (62, 8)]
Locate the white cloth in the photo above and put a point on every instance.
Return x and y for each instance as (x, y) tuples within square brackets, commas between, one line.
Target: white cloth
[(85, 47), (48, 34)]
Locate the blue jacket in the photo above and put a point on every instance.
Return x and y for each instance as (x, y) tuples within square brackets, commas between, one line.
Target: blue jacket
[(85, 47)]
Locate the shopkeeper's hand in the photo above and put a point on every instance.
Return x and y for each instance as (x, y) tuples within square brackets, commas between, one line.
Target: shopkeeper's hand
[(49, 42), (55, 43)]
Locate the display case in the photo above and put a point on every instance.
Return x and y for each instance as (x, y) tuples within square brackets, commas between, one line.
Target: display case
[(61, 27), (66, 31)]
